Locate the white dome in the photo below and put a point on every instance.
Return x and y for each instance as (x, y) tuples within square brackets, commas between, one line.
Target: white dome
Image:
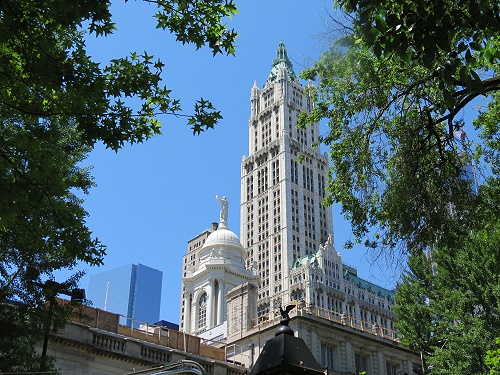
[(223, 237)]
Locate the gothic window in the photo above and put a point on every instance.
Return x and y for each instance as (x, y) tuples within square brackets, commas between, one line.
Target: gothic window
[(276, 171), (294, 172), (202, 311), (321, 180)]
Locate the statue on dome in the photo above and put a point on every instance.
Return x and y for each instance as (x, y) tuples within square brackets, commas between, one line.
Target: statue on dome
[(223, 210)]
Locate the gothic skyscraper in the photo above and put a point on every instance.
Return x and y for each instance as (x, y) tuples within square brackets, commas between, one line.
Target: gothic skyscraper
[(232, 287), (282, 218)]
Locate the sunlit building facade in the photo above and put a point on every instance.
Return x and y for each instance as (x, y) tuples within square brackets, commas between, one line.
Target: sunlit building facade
[(289, 255)]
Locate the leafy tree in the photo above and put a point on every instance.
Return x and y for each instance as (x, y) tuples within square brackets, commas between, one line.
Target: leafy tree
[(493, 359), (55, 104), (42, 229), (448, 304), (456, 42), (46, 70), (393, 89)]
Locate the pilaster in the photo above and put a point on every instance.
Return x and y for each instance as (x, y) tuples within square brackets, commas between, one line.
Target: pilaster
[(210, 305)]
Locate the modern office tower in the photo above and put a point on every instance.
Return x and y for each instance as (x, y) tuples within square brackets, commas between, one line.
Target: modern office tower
[(282, 184), (133, 291)]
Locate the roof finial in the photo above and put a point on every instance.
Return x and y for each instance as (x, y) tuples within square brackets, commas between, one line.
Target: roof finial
[(281, 52)]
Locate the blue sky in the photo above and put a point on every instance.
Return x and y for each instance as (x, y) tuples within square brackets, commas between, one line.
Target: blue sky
[(151, 198)]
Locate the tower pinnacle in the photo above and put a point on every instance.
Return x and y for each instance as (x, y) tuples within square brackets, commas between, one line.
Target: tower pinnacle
[(281, 60)]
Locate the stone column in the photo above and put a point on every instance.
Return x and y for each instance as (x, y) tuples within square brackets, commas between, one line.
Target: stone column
[(187, 314), (309, 297), (350, 358), (358, 312), (210, 304), (220, 305), (380, 359), (407, 366)]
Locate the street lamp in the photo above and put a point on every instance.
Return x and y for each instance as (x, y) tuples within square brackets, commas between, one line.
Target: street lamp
[(52, 289), (286, 354)]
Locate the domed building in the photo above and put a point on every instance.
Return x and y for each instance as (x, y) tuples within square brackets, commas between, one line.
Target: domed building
[(347, 322), (216, 266)]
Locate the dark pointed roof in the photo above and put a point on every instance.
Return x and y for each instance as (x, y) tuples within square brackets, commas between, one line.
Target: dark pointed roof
[(286, 354)]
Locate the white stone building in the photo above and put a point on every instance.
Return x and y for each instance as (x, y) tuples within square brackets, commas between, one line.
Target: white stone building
[(217, 268), (287, 233), (282, 218), (285, 229)]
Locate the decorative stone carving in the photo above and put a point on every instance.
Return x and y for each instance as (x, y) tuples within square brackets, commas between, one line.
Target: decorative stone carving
[(223, 210)]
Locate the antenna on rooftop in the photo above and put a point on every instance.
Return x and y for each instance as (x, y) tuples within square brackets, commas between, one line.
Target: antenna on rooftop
[(106, 298)]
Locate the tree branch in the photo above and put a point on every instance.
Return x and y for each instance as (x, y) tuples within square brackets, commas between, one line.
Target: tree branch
[(491, 84)]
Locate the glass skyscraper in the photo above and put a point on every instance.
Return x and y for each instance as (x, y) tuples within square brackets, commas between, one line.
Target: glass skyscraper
[(133, 291)]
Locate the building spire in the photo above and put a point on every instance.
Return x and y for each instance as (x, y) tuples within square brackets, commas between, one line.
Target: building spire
[(281, 60)]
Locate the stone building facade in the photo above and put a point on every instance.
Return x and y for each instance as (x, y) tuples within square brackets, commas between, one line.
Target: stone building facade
[(190, 262), (219, 266), (282, 185), (97, 344), (341, 346), (287, 237), (285, 229)]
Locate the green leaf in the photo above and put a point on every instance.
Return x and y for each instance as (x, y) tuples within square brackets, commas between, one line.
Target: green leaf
[(461, 47), (380, 23), (443, 42), (468, 57), (464, 73), (475, 46), (449, 99)]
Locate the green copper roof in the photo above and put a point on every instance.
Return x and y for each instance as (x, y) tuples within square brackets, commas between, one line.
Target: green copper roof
[(311, 258), (366, 285), (208, 230), (281, 57)]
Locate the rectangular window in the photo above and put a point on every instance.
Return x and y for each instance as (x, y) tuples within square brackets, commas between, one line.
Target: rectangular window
[(391, 368), (361, 363), (327, 356)]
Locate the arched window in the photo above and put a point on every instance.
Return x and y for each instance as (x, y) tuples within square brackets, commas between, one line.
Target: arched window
[(202, 311)]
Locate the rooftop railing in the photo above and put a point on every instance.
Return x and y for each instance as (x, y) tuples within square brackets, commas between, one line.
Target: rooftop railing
[(330, 315)]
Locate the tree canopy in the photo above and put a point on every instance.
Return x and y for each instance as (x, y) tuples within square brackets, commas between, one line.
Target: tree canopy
[(409, 91), (56, 103), (448, 305), (46, 70), (493, 359), (393, 89)]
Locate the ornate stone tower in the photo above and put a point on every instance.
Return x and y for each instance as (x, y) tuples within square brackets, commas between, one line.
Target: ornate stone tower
[(285, 252), (282, 218), (215, 268)]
